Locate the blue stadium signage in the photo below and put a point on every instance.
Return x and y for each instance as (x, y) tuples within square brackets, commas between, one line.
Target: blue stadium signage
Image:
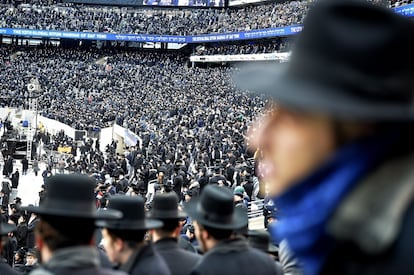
[(407, 10), (256, 34)]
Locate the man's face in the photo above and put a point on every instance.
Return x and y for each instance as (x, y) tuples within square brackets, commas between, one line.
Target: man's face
[(31, 260), (291, 146), (187, 197), (109, 246), (17, 257)]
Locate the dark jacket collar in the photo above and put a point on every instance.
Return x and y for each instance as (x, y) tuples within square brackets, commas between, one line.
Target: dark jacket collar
[(371, 216), (166, 243), (145, 252), (236, 244)]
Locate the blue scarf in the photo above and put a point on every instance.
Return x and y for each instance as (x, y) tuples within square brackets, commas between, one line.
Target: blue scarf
[(308, 205)]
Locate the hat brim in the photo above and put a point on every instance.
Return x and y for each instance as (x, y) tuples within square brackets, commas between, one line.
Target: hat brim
[(129, 225), (275, 81), (239, 218), (70, 213), (6, 228)]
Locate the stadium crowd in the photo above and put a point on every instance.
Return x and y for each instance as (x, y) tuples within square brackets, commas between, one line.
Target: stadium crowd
[(268, 46), (191, 124), (70, 17), (189, 138), (171, 112), (135, 89), (155, 21)]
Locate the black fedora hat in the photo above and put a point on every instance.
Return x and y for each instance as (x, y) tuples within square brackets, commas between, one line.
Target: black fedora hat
[(71, 196), (352, 60), (6, 228), (215, 208), (165, 206), (260, 239), (133, 212)]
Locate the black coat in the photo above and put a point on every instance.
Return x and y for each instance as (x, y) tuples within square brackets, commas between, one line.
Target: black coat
[(146, 261), (235, 257), (31, 234), (21, 235), (179, 261), (6, 269), (15, 179), (25, 164), (217, 178)]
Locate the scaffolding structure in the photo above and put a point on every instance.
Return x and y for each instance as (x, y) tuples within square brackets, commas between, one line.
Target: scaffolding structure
[(33, 89)]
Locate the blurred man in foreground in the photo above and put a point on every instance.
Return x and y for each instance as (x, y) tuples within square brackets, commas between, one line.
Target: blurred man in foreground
[(336, 147)]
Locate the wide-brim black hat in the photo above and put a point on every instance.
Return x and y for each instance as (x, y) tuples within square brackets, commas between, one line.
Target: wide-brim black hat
[(6, 228), (165, 206), (352, 60), (260, 239), (133, 211), (215, 208), (71, 196)]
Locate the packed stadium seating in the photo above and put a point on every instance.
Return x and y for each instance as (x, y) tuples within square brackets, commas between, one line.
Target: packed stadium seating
[(137, 89), (155, 21)]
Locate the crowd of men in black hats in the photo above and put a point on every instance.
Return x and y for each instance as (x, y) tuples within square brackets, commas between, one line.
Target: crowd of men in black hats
[(186, 126), (184, 147), (67, 17), (166, 236), (258, 47), (135, 89), (18, 249), (137, 198), (59, 16)]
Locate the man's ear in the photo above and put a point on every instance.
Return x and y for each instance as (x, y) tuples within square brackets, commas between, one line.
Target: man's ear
[(119, 244), (204, 234)]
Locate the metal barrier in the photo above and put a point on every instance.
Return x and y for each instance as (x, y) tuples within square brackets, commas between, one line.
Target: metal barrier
[(255, 208)]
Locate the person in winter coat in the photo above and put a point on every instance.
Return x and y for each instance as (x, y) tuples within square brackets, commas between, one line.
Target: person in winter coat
[(66, 228), (336, 146), (215, 222), (166, 238), (22, 232), (5, 268), (124, 239)]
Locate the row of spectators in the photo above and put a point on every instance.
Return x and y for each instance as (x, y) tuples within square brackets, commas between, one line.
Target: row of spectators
[(399, 3), (270, 46), (390, 3), (157, 21)]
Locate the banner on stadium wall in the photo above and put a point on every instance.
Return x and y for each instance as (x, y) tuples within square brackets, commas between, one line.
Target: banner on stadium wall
[(205, 38), (160, 3), (407, 10), (240, 57)]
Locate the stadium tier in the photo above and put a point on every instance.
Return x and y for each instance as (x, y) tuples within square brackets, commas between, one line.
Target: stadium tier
[(66, 20)]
